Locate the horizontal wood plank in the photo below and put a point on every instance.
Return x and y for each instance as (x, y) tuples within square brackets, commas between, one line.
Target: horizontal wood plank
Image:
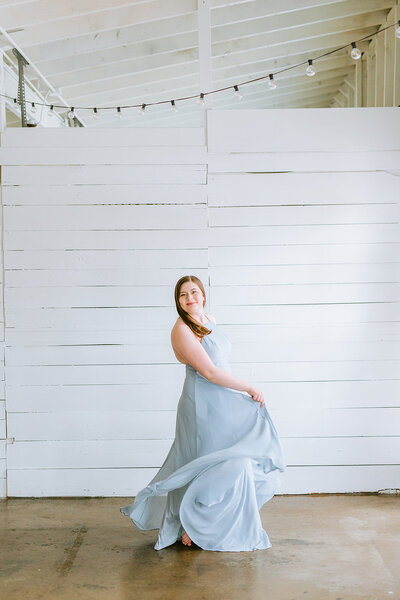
[(126, 483)]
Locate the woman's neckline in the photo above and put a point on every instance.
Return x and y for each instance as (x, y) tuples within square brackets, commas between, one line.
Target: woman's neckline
[(208, 321)]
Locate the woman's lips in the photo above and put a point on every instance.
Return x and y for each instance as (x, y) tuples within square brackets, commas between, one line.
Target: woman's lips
[(190, 303)]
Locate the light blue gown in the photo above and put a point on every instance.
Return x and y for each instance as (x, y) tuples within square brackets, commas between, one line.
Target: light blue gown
[(221, 468)]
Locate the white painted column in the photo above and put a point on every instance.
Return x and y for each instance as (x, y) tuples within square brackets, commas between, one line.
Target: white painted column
[(205, 67)]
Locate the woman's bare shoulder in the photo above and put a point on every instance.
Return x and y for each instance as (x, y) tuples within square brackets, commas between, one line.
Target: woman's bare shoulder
[(179, 327), (212, 318)]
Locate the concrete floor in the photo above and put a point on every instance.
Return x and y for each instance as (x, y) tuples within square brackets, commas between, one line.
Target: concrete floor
[(338, 547)]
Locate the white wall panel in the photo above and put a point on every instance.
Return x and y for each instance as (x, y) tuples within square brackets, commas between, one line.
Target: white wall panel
[(304, 239), (3, 420), (98, 228), (291, 216)]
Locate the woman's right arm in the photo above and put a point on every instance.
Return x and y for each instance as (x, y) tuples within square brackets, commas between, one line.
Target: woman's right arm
[(187, 346)]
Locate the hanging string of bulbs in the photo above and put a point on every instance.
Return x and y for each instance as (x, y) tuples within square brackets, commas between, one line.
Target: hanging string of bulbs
[(310, 72)]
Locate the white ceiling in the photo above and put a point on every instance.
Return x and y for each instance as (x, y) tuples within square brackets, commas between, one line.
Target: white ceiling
[(116, 52)]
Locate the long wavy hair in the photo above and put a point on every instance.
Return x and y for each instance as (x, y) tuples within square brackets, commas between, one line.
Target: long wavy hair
[(195, 326)]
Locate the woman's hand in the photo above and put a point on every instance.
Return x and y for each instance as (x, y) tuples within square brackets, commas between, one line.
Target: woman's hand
[(257, 395)]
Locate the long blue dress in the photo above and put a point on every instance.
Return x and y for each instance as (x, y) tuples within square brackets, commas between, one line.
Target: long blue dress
[(221, 468)]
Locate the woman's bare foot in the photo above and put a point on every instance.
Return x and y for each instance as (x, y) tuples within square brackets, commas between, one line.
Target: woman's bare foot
[(186, 539)]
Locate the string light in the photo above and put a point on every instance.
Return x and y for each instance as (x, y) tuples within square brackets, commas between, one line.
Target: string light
[(118, 114), (310, 71), (96, 114), (355, 53), (271, 82), (238, 95)]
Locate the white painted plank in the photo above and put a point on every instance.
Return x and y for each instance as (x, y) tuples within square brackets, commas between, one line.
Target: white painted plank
[(3, 488), (2, 449), (131, 397), (187, 258), (107, 174), (35, 297), (269, 189), (177, 217), (134, 277), (132, 318), (170, 155), (105, 217), (150, 424), (128, 482), (321, 161), (74, 137), (269, 255), (135, 193), (255, 352), (126, 259), (269, 333), (216, 237), (132, 239), (151, 453), (299, 215), (2, 429), (281, 130), (273, 274), (323, 234), (273, 371), (287, 294), (3, 468)]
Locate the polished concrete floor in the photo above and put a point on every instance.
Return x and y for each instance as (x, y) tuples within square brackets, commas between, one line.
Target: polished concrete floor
[(338, 547)]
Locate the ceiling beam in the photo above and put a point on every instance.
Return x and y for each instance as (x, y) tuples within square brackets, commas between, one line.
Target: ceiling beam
[(105, 20)]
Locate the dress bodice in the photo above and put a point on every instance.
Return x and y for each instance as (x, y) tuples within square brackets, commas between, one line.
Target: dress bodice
[(217, 345)]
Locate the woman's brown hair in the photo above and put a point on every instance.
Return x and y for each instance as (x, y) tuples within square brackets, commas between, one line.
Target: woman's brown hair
[(195, 326)]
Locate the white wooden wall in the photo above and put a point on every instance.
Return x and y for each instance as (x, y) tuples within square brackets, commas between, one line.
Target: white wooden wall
[(292, 216), (3, 426)]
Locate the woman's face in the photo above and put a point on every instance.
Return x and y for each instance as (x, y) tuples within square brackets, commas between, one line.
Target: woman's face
[(191, 298)]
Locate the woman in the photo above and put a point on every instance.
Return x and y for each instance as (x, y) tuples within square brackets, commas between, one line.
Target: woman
[(223, 463)]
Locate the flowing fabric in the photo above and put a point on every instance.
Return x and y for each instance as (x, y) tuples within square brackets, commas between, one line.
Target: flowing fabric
[(221, 468)]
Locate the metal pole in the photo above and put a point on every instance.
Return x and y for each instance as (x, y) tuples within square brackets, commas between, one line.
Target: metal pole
[(21, 84), (3, 120)]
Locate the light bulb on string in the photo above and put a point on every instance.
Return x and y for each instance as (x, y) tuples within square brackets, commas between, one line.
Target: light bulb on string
[(95, 114), (355, 53), (142, 109), (397, 32), (271, 82), (200, 99), (173, 106), (33, 108), (118, 114), (310, 71), (51, 110), (71, 113), (237, 93)]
